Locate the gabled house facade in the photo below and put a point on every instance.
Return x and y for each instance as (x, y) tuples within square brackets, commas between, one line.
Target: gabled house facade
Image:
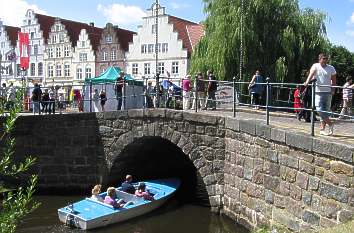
[(114, 43), (176, 40), (8, 38)]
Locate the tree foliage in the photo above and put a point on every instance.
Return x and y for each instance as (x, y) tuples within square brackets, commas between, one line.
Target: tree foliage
[(279, 38), (16, 201)]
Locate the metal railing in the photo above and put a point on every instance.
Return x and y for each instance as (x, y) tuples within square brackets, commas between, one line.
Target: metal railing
[(231, 96)]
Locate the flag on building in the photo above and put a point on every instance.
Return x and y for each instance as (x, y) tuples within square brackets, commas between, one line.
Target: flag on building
[(23, 44)]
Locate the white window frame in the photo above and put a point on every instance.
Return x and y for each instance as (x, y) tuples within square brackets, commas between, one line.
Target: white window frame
[(113, 55), (161, 67), (79, 73), (104, 55), (109, 38), (165, 47), (135, 68), (67, 70), (147, 68), (83, 57), (50, 70), (175, 67), (58, 52), (88, 72), (58, 70), (50, 53), (151, 48), (144, 49), (33, 69), (40, 69), (35, 49), (66, 51)]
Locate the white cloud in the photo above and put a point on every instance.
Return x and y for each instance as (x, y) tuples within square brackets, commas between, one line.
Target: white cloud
[(176, 5), (352, 18), (350, 33), (121, 14), (12, 12)]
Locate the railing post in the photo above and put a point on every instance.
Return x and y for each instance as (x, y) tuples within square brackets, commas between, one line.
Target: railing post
[(313, 107), (267, 100), (234, 95), (196, 95), (124, 94), (90, 94)]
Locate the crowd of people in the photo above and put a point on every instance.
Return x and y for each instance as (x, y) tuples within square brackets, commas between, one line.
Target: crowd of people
[(111, 196)]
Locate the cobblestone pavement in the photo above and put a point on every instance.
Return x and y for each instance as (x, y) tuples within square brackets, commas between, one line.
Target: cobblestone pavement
[(343, 129)]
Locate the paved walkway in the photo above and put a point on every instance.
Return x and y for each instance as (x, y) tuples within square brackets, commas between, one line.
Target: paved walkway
[(343, 129)]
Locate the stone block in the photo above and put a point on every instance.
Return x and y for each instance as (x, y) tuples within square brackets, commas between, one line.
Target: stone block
[(232, 124), (334, 150), (272, 169), (337, 179), (210, 130), (279, 201), (322, 162), (248, 126), (200, 129), (286, 219), (200, 118), (306, 198), (263, 131), (302, 180), (248, 174), (311, 218), (284, 188), (295, 192), (135, 113), (277, 135), (289, 161), (327, 223), (306, 167), (290, 175), (256, 191), (342, 168), (334, 192), (345, 215), (272, 183), (301, 141), (113, 115), (316, 203), (294, 207), (268, 196), (330, 208), (271, 155)]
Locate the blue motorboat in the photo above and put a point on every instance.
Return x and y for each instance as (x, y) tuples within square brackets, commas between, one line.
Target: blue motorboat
[(89, 213)]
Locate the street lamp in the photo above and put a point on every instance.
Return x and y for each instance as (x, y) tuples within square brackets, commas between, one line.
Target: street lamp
[(157, 85)]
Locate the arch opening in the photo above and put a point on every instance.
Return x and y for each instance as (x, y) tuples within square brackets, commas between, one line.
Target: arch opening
[(153, 158)]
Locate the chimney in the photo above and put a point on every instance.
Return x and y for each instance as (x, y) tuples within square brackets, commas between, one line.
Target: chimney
[(92, 24)]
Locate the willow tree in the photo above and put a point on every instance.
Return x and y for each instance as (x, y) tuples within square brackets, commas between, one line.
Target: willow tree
[(274, 32)]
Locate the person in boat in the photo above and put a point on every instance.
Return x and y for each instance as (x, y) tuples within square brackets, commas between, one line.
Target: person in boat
[(140, 192), (127, 185), (95, 193), (110, 198)]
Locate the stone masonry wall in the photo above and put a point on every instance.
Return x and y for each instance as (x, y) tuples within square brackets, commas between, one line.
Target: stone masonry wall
[(298, 181), (253, 173)]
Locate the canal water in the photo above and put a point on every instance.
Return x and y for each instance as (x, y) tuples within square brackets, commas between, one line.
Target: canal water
[(173, 217)]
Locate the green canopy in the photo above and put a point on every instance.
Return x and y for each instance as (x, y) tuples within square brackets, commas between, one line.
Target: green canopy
[(110, 76)]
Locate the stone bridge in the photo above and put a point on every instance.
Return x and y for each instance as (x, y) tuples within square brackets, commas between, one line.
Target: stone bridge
[(254, 173)]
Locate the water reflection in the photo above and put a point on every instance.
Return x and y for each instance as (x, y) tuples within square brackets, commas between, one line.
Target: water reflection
[(171, 218)]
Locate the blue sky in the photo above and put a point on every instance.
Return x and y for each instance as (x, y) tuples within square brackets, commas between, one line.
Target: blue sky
[(128, 13)]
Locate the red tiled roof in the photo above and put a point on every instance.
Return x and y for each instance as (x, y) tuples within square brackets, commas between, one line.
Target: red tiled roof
[(195, 33), (186, 32), (73, 28), (12, 34), (124, 37)]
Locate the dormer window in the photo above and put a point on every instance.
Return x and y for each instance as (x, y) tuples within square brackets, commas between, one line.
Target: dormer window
[(109, 39)]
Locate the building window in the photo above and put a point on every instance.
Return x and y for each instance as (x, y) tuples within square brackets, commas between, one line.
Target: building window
[(57, 28), (83, 44), (29, 22), (161, 67), (165, 47), (40, 69), (153, 29), (88, 72), (2, 45), (158, 48), (66, 51), (58, 70), (58, 52), (35, 49), (113, 55), (32, 35), (135, 69), (50, 53), (109, 39), (104, 56), (67, 70), (175, 67), (151, 48), (143, 48), (79, 73), (146, 68), (83, 57), (50, 71), (61, 37), (54, 39), (33, 69)]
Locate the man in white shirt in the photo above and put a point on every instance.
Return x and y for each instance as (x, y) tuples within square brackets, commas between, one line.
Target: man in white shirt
[(325, 76)]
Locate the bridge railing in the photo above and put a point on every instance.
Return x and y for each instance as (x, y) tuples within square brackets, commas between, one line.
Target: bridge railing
[(272, 101)]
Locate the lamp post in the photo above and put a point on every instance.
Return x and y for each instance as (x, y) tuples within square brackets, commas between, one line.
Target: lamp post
[(157, 85), (241, 39)]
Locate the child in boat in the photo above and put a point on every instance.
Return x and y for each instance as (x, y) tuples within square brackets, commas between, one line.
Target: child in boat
[(95, 193), (110, 198), (140, 192)]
